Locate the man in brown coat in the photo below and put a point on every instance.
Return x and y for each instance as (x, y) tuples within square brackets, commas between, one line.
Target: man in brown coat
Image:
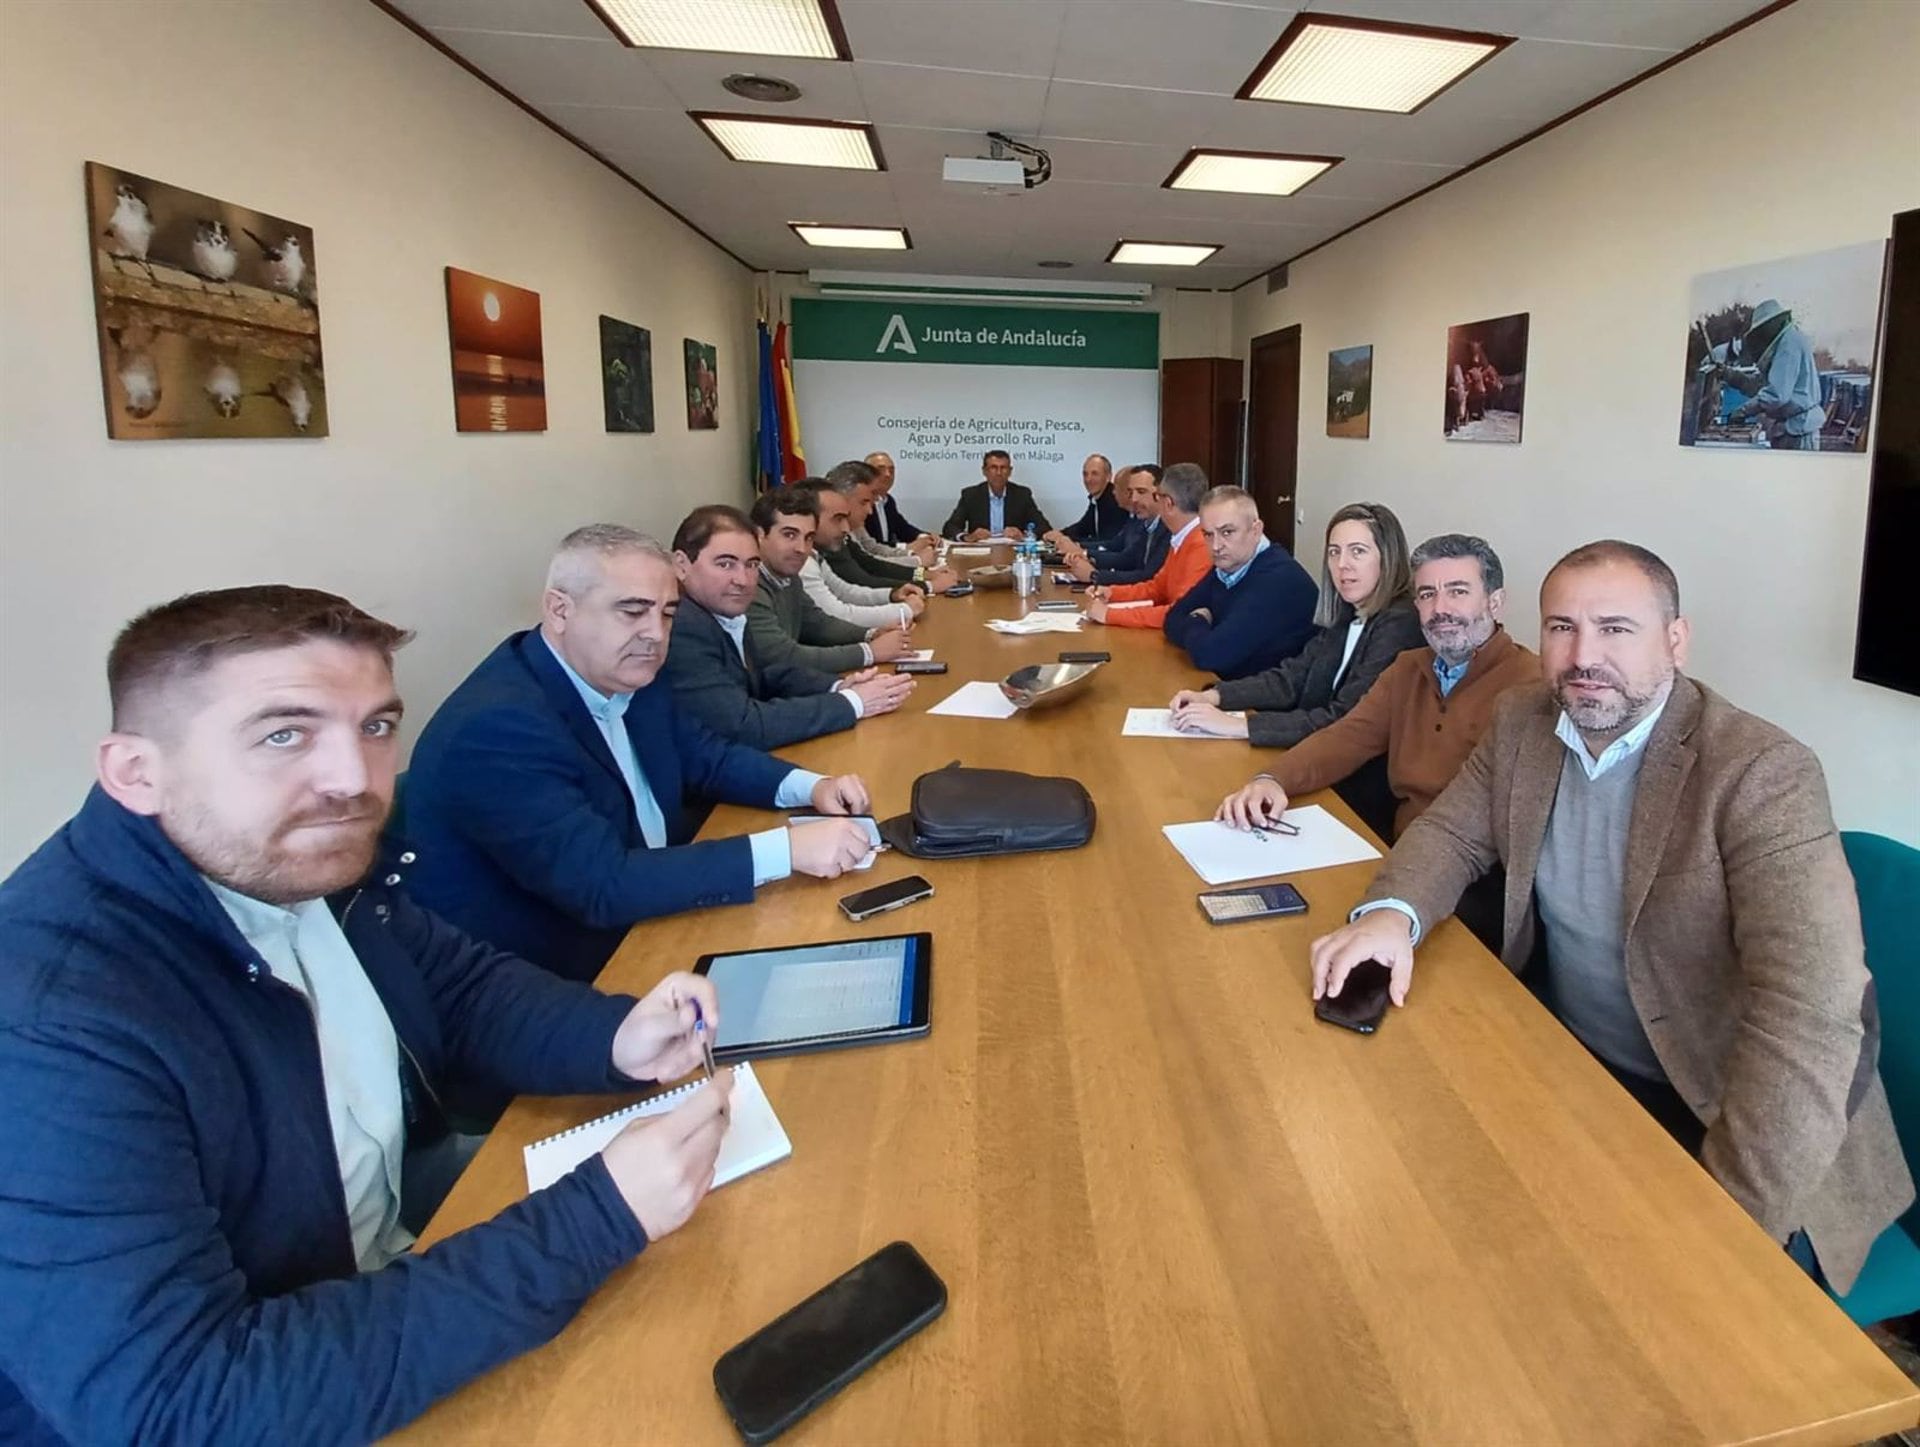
[(1676, 861)]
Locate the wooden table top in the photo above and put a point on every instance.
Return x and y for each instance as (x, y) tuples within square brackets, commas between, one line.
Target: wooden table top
[(1169, 1205)]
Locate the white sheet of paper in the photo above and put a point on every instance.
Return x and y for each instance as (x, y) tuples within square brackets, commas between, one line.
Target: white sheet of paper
[(976, 700), (1038, 623), (873, 834), (1220, 855), (916, 655), (972, 550), (1157, 723)]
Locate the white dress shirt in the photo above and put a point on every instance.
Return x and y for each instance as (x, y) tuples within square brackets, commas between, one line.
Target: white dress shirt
[(850, 602), (305, 948)]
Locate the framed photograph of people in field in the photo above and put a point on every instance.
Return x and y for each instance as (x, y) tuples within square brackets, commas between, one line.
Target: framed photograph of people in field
[(1780, 353), (1486, 382), (1350, 392)]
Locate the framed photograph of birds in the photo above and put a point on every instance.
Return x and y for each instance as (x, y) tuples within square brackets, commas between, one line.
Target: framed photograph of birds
[(208, 314)]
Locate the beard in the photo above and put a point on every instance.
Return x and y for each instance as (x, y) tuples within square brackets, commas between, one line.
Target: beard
[(303, 857), (1455, 639), (1613, 712)]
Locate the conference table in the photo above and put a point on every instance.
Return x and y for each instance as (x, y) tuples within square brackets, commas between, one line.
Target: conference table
[(1169, 1205)]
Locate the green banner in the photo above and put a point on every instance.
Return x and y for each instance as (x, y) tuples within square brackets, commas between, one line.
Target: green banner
[(988, 336)]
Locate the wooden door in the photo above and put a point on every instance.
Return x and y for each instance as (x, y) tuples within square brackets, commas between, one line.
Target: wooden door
[(1273, 430)]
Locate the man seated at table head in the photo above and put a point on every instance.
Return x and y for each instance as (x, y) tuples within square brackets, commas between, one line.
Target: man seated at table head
[(714, 665), (554, 796), (1105, 514), (1255, 609), (1137, 551), (226, 1043), (1675, 880), (1186, 562), (1428, 708), (838, 582), (996, 506), (788, 620), (885, 525)]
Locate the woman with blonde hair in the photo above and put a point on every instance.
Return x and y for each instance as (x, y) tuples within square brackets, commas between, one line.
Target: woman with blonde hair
[(1366, 618)]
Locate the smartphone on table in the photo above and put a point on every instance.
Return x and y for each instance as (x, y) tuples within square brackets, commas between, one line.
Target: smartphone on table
[(1258, 901), (794, 1363), (1362, 1002), (883, 898)]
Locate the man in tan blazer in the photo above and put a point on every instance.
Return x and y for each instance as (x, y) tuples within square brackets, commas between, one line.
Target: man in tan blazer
[(1676, 861)]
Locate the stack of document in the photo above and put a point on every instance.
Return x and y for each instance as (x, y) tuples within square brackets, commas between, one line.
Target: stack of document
[(1157, 723), (1221, 855), (1038, 623)]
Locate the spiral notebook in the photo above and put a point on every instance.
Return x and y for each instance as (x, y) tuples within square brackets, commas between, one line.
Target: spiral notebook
[(754, 1138)]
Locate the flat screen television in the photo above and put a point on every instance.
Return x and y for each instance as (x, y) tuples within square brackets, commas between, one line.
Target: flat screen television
[(1887, 643)]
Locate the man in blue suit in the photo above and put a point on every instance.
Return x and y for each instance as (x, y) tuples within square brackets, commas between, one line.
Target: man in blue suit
[(554, 796), (1255, 609), (1136, 554), (226, 1039)]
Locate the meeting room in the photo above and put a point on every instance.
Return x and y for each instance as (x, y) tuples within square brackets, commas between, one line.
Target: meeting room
[(960, 721)]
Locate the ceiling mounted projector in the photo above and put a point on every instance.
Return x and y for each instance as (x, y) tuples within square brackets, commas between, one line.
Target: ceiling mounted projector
[(983, 171), (1010, 165)]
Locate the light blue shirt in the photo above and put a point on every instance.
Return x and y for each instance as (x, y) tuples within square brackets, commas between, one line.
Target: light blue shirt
[(1614, 754), (1790, 389), (305, 949), (1227, 580), (772, 850), (1448, 674), (996, 511)]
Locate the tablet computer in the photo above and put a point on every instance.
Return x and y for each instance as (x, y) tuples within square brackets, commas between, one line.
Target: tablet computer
[(821, 996)]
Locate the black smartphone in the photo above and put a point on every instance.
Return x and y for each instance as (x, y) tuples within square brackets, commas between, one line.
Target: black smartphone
[(895, 894), (920, 665), (959, 590), (1062, 606), (1362, 1002), (1085, 656), (795, 1362), (1259, 901), (1079, 587)]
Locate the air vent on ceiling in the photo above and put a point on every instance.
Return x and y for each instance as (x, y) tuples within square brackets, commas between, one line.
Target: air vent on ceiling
[(768, 88), (1277, 279)]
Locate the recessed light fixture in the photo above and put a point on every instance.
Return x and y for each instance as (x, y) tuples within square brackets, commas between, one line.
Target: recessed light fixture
[(864, 238), (1254, 173), (736, 27), (847, 145), (1160, 253), (1368, 65), (768, 89)]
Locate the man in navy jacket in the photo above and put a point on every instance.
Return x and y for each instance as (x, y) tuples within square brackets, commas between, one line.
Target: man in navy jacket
[(554, 796), (1255, 609), (223, 1047), (1135, 553), (1105, 516)]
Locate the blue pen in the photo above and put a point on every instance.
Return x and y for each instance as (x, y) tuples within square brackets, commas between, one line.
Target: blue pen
[(706, 1044)]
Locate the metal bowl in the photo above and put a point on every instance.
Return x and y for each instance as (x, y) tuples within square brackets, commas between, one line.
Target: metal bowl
[(1042, 685), (982, 578)]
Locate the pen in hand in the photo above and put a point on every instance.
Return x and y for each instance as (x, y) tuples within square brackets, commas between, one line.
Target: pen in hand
[(706, 1039)]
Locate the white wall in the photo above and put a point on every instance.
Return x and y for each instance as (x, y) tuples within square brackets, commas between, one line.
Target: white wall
[(330, 114), (1798, 134)]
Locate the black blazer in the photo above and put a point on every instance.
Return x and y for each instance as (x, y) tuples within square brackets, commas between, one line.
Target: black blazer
[(886, 525), (767, 705), (971, 511), (1102, 521), (1137, 557), (1298, 698)]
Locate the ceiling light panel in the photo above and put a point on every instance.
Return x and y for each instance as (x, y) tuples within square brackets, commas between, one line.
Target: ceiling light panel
[(1366, 65), (1247, 173), (735, 27), (1160, 253), (840, 144), (864, 238)]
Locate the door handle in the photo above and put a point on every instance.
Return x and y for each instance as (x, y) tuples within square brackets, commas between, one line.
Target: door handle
[(1287, 498)]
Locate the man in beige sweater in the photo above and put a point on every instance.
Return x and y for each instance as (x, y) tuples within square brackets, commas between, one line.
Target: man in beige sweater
[(1675, 862)]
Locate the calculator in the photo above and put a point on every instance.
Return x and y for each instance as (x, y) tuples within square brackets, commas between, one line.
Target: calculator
[(1229, 906)]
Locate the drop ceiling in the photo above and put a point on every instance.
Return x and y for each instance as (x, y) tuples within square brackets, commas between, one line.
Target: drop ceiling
[(1116, 91)]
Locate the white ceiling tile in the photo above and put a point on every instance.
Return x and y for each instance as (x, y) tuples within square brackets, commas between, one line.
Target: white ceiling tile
[(1533, 81), (827, 88), (543, 71), (1124, 113), (928, 96), (1009, 37), (1163, 44), (1375, 180), (1114, 163), (523, 17)]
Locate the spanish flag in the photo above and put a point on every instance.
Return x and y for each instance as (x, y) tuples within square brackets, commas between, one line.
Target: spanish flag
[(793, 457)]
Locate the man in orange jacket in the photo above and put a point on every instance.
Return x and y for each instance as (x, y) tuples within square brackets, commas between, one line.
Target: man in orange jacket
[(1179, 492)]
